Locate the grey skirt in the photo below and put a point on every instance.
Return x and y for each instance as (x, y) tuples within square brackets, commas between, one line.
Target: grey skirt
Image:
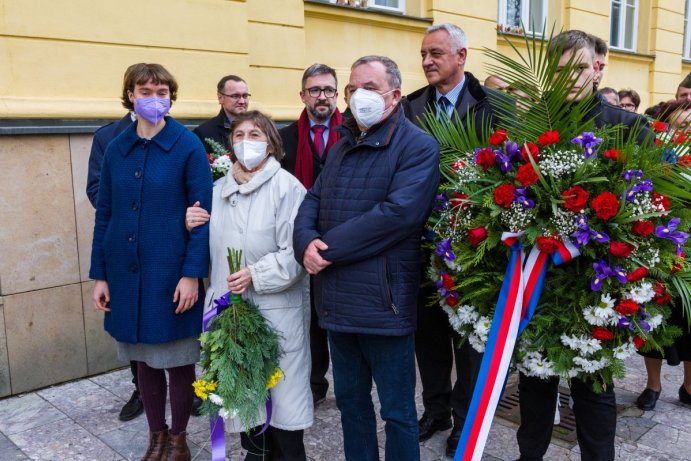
[(172, 354)]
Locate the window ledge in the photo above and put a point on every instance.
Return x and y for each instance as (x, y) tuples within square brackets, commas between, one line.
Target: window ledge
[(634, 54), (324, 9)]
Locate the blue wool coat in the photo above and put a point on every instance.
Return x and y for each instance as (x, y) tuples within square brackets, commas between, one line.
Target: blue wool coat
[(140, 246), (369, 205)]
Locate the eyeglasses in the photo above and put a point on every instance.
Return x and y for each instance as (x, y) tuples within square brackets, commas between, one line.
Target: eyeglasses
[(627, 106), (315, 91), (236, 96)]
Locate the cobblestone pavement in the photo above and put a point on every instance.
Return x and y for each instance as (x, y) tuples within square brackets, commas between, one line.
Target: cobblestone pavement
[(78, 421)]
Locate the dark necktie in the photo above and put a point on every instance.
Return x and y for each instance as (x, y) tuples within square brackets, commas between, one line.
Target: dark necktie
[(443, 105), (318, 131)]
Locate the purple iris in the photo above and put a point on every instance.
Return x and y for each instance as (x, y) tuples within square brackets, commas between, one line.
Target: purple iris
[(602, 271), (443, 291), (511, 149), (625, 322), (584, 233), (588, 141), (445, 251), (442, 202), (670, 232), (504, 162), (643, 186), (521, 196), (630, 174), (643, 316)]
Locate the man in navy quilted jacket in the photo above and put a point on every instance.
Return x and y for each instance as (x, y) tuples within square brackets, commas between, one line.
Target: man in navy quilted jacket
[(358, 233)]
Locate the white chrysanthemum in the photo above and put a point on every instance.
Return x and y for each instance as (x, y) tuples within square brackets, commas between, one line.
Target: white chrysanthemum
[(589, 346), (570, 341), (223, 163), (476, 343), (593, 319), (216, 399), (452, 265), (467, 315), (607, 314), (624, 351), (607, 301), (642, 293), (534, 364), (591, 366), (655, 321), (226, 415), (482, 327)]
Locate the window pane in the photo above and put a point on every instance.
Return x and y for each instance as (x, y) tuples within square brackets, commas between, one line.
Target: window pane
[(389, 3), (536, 16), (629, 28), (614, 24), (513, 12)]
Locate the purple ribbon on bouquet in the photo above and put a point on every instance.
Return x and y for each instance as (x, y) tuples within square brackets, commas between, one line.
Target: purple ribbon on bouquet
[(217, 428)]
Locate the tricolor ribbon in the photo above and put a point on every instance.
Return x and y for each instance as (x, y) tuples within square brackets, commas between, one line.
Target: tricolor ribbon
[(217, 427), (518, 298)]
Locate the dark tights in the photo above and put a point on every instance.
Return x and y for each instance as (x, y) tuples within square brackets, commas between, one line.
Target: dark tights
[(152, 387)]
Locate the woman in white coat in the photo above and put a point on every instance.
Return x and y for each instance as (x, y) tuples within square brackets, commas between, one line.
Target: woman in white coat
[(253, 210)]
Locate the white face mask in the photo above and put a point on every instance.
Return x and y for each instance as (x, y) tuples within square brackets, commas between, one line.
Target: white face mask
[(367, 107), (250, 153)]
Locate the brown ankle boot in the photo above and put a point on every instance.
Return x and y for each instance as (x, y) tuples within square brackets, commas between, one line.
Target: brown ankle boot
[(158, 442), (177, 448)]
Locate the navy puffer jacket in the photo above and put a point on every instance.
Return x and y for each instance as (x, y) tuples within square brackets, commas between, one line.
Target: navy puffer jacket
[(369, 205)]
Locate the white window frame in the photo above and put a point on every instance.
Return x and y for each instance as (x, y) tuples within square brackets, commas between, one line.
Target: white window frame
[(399, 9), (687, 33), (622, 24), (502, 11)]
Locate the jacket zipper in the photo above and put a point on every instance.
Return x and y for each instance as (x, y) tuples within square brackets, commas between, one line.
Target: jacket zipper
[(388, 286)]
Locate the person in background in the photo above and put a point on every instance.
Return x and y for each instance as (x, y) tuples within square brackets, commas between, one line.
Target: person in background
[(629, 100), (677, 115), (684, 90), (358, 232), (611, 95), (147, 267), (254, 207), (307, 143), (234, 98), (600, 47), (102, 137)]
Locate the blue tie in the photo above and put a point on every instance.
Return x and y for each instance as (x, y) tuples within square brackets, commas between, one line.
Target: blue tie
[(444, 104)]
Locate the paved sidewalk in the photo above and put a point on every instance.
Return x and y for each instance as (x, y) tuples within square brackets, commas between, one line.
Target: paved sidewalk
[(78, 421)]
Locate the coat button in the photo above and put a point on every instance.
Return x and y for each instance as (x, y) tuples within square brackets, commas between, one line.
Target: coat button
[(131, 238), (135, 206), (138, 173)]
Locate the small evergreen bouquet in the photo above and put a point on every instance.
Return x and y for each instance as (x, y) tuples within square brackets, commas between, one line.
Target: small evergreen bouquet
[(552, 181), (240, 357), (219, 159)]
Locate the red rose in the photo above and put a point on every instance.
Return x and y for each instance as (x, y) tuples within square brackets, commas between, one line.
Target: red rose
[(551, 137), (532, 151), (548, 244), (638, 342), (603, 334), (452, 301), (575, 198), (498, 137), (613, 154), (447, 281), (606, 205), (642, 228), (659, 287), (627, 307), (621, 249), (504, 195), (459, 200), (637, 274), (485, 158), (476, 236), (658, 126), (526, 175), (659, 199)]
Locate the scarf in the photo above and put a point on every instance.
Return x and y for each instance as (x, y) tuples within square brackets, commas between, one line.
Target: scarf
[(304, 163), (241, 176)]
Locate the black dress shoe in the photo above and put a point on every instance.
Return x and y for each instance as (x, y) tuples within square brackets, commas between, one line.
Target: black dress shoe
[(133, 408), (452, 441), (197, 406), (647, 400), (684, 397), (428, 426)]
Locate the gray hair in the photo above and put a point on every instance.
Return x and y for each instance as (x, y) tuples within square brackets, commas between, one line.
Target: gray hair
[(457, 38), (392, 71), (318, 69)]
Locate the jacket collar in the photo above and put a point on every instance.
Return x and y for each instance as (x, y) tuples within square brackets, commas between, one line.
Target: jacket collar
[(222, 119), (229, 186), (165, 139), (379, 135)]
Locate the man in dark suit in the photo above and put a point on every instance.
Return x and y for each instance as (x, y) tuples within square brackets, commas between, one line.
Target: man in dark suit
[(306, 144), (234, 99), (453, 91)]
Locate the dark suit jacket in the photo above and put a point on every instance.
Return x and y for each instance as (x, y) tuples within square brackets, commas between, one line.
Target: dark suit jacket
[(102, 138), (289, 136), (217, 128)]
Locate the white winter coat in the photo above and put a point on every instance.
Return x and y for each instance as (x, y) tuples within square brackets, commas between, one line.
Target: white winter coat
[(257, 218)]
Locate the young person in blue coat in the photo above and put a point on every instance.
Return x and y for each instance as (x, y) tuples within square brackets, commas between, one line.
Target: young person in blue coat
[(146, 265)]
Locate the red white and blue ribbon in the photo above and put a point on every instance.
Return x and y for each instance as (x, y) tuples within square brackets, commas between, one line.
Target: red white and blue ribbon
[(518, 298)]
